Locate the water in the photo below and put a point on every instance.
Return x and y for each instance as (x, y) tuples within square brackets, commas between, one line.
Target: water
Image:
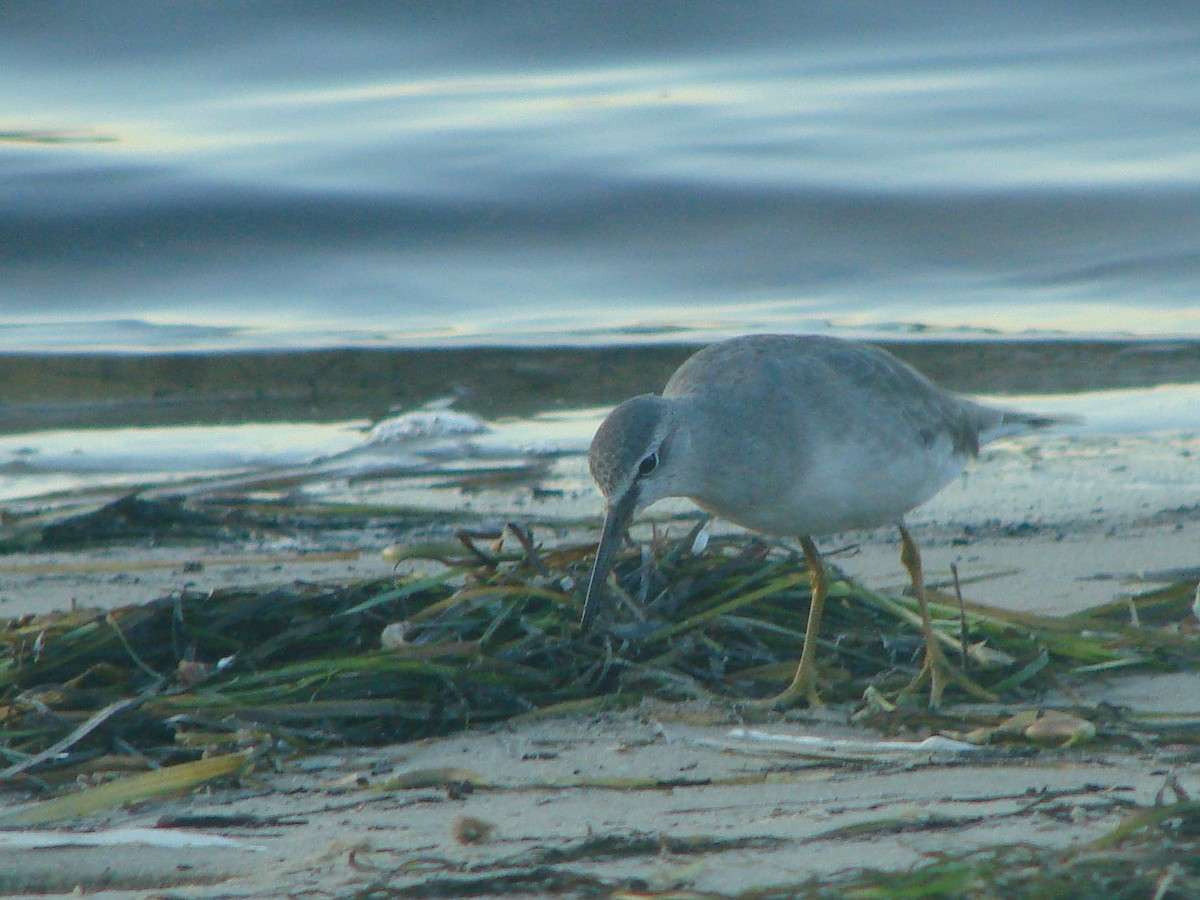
[(212, 176), (202, 177), (1134, 448)]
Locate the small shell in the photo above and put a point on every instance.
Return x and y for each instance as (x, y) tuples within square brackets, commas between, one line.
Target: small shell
[(471, 830)]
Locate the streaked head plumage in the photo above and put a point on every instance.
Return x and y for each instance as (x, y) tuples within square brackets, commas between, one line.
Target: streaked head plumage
[(625, 439)]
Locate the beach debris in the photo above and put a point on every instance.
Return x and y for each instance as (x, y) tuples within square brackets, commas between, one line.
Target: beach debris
[(31, 839), (132, 518), (847, 748), (557, 871), (131, 789), (1150, 853), (227, 820), (433, 778), (1047, 726), (395, 636), (471, 830), (291, 668), (432, 420), (93, 722)]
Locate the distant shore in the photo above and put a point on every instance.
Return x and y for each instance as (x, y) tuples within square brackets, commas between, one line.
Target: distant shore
[(40, 391)]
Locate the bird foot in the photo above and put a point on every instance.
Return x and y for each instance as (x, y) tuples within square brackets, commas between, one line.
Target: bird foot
[(939, 674), (803, 689)]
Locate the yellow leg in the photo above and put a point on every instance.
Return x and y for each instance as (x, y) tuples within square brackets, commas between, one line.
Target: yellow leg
[(804, 684), (935, 667)]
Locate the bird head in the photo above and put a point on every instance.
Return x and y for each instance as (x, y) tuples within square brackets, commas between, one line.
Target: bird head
[(631, 460)]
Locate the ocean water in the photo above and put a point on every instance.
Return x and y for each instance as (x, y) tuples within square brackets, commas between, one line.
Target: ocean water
[(216, 176)]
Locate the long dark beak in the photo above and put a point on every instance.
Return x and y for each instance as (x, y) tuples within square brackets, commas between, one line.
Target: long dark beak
[(616, 521)]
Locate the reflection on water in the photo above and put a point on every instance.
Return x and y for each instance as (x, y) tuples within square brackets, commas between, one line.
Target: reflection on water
[(324, 458), (533, 173)]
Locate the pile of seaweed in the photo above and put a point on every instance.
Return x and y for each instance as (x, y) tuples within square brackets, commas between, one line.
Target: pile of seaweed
[(490, 632)]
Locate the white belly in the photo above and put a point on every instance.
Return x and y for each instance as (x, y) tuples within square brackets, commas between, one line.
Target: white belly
[(844, 489)]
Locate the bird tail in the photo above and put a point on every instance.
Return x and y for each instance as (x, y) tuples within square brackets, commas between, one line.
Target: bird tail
[(1016, 422), (1036, 421)]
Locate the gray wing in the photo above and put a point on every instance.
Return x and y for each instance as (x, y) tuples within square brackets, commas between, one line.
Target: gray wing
[(848, 380), (930, 411), (933, 409)]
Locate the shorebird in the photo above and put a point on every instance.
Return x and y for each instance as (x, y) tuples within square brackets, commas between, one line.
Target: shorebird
[(795, 436)]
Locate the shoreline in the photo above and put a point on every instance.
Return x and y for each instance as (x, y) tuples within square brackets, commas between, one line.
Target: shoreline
[(44, 391)]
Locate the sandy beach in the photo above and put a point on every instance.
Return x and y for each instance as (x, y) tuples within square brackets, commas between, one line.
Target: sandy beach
[(693, 796), (650, 782), (663, 776)]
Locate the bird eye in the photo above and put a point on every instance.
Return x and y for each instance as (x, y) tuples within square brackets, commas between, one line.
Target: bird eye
[(648, 465)]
